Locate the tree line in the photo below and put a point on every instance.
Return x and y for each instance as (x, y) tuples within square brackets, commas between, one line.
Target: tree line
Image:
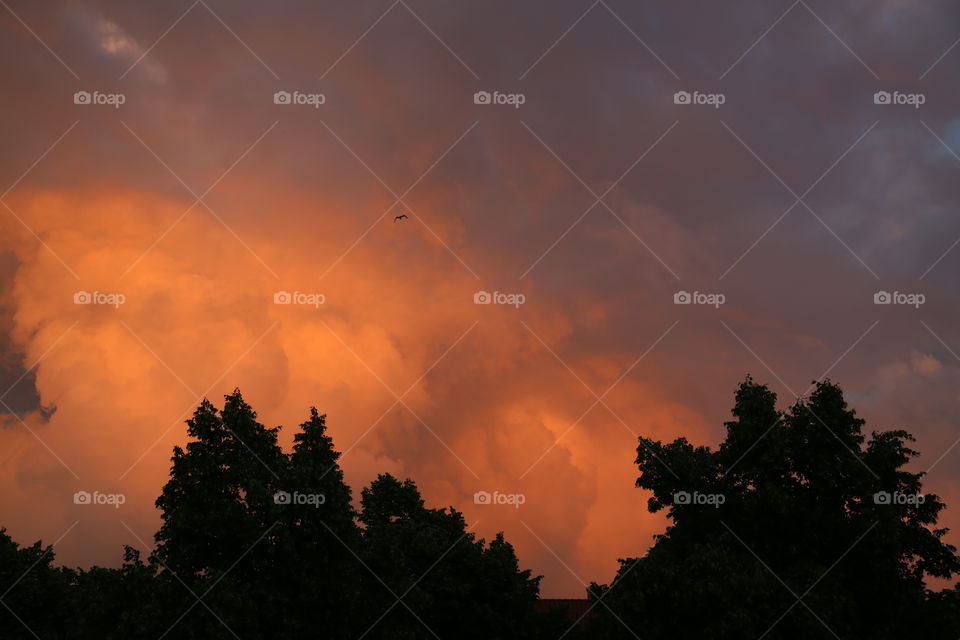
[(795, 526)]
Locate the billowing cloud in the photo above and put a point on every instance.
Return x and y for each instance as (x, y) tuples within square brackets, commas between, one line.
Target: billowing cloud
[(198, 197)]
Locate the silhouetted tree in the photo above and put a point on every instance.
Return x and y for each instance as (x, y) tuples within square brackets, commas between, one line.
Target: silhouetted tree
[(220, 523), (448, 583), (792, 528), (118, 603), (34, 594), (318, 579)]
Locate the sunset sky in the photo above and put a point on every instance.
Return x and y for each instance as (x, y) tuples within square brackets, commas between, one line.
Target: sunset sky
[(187, 186)]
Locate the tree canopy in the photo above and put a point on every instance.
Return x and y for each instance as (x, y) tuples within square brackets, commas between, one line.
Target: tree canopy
[(259, 543), (795, 526)]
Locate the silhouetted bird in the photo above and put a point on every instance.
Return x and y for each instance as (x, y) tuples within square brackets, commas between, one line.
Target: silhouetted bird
[(400, 217)]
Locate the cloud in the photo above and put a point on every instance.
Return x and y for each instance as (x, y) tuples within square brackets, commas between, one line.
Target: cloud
[(300, 199)]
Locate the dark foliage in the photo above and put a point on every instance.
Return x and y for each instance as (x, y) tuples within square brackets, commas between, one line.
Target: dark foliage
[(797, 526), (256, 543), (794, 527)]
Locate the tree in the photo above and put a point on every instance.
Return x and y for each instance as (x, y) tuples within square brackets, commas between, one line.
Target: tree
[(791, 528), (118, 603), (257, 543), (318, 578), (220, 522), (34, 593), (448, 582), (265, 532)]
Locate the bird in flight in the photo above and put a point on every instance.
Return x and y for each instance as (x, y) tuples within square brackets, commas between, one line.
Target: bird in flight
[(402, 216)]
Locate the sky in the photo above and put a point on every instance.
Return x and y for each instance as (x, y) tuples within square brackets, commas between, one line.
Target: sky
[(571, 174)]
